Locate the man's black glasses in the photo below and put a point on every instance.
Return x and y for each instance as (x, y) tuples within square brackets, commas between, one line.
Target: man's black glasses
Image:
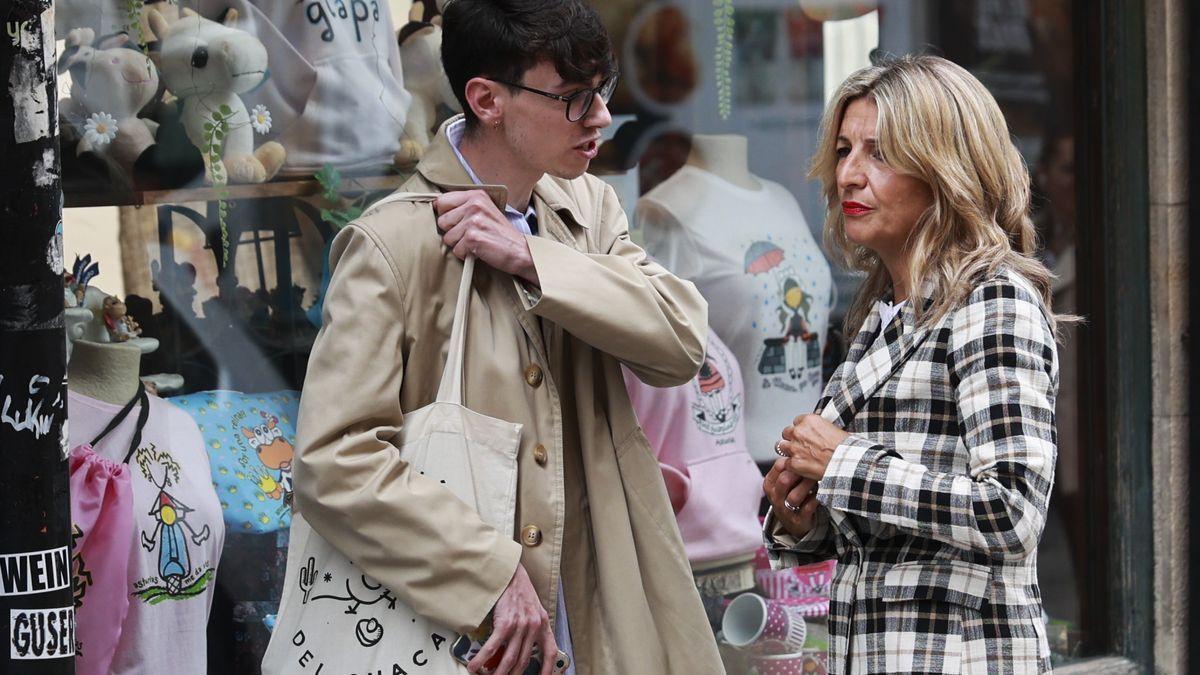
[(579, 103)]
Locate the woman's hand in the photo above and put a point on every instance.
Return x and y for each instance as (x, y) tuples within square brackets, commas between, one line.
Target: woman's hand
[(793, 498), (809, 444)]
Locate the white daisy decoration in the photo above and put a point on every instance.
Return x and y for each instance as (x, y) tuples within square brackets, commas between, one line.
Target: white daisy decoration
[(260, 119), (100, 128)]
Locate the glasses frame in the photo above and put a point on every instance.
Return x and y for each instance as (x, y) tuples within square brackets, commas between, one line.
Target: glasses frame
[(592, 93)]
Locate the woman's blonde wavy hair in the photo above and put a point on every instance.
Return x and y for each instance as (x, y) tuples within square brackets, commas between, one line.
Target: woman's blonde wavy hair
[(937, 123)]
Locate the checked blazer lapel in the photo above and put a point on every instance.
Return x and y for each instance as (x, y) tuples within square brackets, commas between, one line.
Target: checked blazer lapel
[(873, 357)]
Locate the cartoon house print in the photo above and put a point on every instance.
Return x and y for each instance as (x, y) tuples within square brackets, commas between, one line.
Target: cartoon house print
[(795, 347), (276, 453), (716, 409), (172, 533)]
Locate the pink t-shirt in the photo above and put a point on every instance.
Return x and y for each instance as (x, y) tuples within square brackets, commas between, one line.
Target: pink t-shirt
[(696, 431)]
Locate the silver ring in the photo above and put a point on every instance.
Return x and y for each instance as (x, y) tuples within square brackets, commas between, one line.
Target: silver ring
[(790, 507), (779, 450)]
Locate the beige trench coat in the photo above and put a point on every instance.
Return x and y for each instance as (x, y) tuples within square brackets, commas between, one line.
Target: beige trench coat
[(591, 505)]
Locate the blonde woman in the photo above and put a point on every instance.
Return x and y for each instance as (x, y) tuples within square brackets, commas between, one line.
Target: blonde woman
[(927, 469)]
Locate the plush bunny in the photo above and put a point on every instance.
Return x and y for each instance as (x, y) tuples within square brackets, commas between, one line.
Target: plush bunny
[(208, 64), (424, 77), (109, 86)]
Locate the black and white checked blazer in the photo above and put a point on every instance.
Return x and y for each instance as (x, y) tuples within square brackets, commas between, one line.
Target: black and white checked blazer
[(935, 504)]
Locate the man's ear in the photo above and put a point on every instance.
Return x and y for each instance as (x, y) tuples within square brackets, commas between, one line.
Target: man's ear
[(487, 99)]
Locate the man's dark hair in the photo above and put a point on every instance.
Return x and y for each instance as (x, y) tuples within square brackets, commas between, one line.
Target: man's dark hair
[(502, 39)]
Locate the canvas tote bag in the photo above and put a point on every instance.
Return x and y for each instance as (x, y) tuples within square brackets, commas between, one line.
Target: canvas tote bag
[(360, 626)]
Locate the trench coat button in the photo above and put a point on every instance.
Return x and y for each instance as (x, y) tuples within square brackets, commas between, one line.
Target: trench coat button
[(531, 535), (539, 455), (533, 375)]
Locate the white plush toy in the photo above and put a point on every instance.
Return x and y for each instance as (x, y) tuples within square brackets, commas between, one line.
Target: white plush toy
[(108, 88), (425, 79), (208, 64)]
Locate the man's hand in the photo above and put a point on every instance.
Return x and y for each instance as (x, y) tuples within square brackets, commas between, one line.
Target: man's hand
[(519, 622), (471, 224), (810, 442), (794, 499)]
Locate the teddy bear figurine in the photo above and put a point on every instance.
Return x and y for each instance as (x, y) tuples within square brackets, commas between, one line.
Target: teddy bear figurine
[(121, 327)]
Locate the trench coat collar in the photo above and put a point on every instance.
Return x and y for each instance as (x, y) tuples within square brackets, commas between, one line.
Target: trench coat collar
[(875, 355), (441, 167)]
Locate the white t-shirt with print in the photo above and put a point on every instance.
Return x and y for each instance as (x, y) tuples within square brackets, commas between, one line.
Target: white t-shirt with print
[(178, 533), (769, 288)]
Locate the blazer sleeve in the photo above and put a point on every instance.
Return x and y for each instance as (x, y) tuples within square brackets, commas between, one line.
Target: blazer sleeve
[(407, 531), (1002, 366), (622, 303), (785, 550)]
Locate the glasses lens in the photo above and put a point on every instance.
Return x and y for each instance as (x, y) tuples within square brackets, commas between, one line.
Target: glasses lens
[(607, 88), (579, 105)]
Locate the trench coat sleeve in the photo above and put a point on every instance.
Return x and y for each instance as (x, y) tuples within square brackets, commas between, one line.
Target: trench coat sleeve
[(622, 303), (786, 550), (405, 530), (1003, 367)]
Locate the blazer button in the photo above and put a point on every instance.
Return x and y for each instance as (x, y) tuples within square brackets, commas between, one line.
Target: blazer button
[(531, 535), (539, 455), (533, 375)]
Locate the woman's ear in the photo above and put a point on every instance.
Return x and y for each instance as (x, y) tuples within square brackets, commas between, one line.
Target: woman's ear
[(487, 100)]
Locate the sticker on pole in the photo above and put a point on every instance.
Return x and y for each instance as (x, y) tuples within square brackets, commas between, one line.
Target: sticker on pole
[(41, 633), (35, 572)]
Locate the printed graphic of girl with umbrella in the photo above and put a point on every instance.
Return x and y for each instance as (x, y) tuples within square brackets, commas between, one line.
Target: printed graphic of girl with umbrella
[(784, 354)]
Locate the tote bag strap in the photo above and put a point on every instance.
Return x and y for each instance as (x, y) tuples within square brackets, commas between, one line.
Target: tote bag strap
[(450, 390)]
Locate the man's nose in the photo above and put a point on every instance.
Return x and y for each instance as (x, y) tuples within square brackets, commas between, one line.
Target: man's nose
[(598, 117)]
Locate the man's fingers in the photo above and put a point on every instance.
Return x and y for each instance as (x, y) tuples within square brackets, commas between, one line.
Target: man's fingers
[(500, 635), (517, 645), (532, 637), (549, 649), (451, 200)]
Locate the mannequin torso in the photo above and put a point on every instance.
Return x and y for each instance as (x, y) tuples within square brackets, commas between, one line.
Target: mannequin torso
[(725, 156)]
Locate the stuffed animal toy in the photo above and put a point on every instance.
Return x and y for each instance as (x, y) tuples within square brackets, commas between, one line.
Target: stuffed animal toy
[(421, 59), (208, 64), (109, 86)]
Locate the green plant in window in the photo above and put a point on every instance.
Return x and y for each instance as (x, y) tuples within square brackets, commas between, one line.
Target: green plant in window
[(133, 22), (213, 139), (723, 20), (344, 209)]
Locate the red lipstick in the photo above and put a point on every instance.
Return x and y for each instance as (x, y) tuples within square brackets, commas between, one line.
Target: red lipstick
[(855, 208)]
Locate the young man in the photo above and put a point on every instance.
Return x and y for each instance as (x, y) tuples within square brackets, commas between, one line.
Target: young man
[(561, 299)]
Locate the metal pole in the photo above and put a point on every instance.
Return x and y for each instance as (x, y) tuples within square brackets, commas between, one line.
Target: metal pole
[(36, 597)]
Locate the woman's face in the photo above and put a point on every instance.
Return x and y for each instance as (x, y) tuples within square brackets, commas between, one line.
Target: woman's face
[(881, 206)]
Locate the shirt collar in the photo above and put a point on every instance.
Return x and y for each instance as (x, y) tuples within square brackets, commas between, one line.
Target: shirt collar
[(455, 131)]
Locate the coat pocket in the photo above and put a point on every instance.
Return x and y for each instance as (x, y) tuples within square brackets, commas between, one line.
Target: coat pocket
[(954, 581)]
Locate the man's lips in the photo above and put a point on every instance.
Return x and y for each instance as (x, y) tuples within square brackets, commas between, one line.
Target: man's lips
[(855, 208), (589, 148)]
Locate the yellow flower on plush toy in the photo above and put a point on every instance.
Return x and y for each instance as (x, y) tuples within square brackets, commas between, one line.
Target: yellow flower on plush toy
[(260, 119), (100, 128)]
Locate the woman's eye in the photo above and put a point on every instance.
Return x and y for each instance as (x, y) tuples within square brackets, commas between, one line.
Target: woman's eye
[(843, 152)]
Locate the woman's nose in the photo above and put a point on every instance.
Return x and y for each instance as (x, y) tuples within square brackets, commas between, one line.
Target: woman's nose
[(850, 174)]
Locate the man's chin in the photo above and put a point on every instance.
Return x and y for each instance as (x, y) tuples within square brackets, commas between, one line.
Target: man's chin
[(569, 172)]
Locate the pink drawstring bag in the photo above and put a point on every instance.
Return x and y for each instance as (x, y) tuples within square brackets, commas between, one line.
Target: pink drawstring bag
[(102, 513)]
